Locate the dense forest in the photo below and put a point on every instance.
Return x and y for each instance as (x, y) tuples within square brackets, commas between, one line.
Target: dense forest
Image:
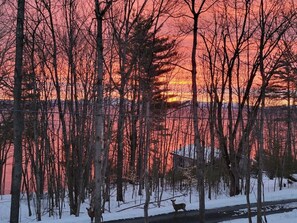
[(101, 94)]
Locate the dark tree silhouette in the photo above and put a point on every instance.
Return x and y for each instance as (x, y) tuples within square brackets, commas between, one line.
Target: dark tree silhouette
[(18, 115)]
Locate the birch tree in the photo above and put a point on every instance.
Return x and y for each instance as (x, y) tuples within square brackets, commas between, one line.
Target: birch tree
[(101, 7)]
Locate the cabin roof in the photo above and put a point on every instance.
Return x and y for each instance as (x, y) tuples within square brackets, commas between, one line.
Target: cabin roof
[(189, 151)]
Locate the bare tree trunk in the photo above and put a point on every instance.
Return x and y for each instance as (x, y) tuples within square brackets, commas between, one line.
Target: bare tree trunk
[(260, 165), (261, 143), (134, 134), (146, 161), (248, 184), (197, 139), (36, 155), (99, 113), (37, 171), (18, 115), (120, 150)]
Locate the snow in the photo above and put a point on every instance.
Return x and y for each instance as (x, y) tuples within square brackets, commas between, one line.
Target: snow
[(133, 205)]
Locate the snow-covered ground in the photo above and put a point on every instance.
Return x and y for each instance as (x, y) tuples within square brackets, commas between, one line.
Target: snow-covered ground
[(133, 205)]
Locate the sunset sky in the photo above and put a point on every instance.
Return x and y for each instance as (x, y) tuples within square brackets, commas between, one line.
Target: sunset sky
[(83, 106)]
